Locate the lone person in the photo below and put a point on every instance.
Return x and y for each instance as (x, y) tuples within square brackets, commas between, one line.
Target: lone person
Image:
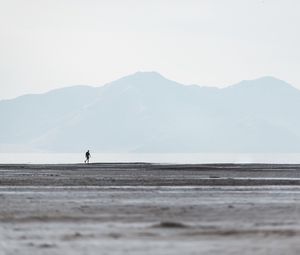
[(87, 157)]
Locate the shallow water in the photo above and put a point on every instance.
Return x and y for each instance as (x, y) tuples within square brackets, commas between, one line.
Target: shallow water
[(179, 158)]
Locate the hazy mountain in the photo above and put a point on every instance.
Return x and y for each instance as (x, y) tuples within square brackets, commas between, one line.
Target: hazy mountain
[(146, 112)]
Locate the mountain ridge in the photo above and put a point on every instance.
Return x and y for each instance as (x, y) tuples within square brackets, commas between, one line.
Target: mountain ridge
[(146, 112), (157, 75)]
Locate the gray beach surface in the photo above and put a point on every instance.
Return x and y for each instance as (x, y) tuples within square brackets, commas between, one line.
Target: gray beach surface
[(140, 208)]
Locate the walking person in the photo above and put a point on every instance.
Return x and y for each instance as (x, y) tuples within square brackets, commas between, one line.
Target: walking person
[(87, 157)]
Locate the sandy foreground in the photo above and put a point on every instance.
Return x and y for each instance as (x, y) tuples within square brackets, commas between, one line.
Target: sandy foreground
[(149, 209)]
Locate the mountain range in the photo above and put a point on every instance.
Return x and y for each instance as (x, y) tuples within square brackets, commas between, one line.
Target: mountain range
[(146, 112)]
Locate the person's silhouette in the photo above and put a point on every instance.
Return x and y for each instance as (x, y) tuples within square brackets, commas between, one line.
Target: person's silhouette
[(87, 157)]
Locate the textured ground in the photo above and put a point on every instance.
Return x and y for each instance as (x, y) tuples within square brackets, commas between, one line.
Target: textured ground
[(149, 209)]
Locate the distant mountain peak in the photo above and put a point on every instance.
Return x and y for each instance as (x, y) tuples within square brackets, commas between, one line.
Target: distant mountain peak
[(148, 73), (263, 83), (143, 79), (142, 76), (269, 79)]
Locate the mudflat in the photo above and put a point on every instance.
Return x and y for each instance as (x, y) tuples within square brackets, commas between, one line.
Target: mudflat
[(140, 208)]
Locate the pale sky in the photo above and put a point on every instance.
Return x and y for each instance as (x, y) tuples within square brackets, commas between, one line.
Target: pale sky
[(47, 44)]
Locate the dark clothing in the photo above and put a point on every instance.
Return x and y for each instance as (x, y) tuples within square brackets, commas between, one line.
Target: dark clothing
[(87, 156)]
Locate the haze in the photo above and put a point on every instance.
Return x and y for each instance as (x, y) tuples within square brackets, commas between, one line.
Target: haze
[(51, 44)]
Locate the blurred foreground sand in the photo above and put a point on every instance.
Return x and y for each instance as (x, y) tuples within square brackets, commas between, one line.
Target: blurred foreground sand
[(149, 209)]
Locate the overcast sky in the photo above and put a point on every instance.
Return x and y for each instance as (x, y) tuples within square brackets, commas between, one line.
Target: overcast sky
[(46, 44)]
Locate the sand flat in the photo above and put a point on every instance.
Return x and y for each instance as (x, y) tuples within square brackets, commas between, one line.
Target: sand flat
[(149, 209)]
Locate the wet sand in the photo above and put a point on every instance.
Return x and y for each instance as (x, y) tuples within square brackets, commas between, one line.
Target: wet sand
[(149, 209)]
